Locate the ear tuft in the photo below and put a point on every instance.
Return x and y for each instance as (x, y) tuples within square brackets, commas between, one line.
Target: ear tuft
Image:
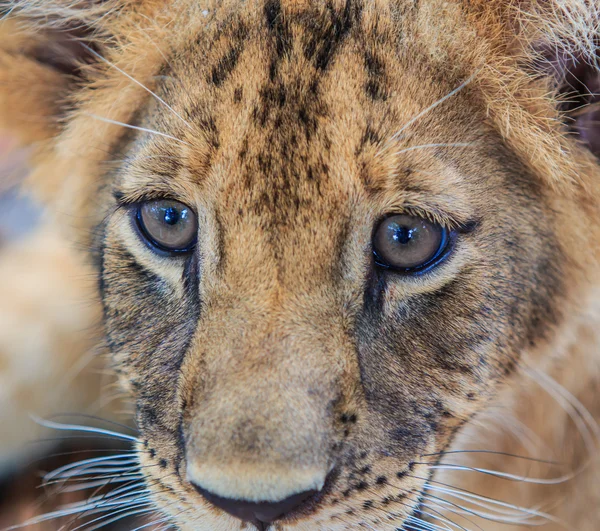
[(577, 82), (566, 50), (44, 45)]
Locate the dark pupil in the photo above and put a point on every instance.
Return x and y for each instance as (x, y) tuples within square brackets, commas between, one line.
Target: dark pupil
[(171, 216), (403, 235)]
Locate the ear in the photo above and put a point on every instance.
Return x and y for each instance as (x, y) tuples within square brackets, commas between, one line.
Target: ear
[(565, 45), (45, 46), (538, 61), (575, 79), (63, 62)]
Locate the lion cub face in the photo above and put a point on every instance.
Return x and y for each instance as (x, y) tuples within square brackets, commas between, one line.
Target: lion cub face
[(313, 281), (319, 259)]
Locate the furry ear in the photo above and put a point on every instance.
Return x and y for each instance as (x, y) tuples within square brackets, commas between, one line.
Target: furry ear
[(45, 46), (576, 80), (539, 63), (566, 45)]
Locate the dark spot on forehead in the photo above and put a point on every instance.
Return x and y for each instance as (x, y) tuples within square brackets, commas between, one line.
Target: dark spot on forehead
[(326, 33), (238, 94), (278, 27), (224, 67), (370, 136), (375, 85)]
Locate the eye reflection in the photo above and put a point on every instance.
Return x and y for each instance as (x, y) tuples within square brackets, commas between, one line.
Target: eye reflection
[(168, 225), (409, 243)]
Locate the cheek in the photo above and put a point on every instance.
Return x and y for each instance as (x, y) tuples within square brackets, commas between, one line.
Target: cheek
[(149, 326), (424, 364), (433, 357)]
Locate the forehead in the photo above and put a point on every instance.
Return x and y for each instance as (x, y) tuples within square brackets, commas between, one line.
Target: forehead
[(295, 110)]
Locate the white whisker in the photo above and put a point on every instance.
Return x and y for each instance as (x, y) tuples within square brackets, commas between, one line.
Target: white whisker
[(76, 427), (514, 512), (505, 475), (439, 486), (462, 511), (487, 503), (428, 525), (136, 128), (7, 14), (432, 146), (98, 483), (154, 522), (116, 516), (111, 459), (86, 472), (128, 476), (131, 78), (429, 109), (118, 494), (585, 422)]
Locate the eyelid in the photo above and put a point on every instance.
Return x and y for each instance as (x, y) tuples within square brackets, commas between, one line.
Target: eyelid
[(449, 222), (145, 196)]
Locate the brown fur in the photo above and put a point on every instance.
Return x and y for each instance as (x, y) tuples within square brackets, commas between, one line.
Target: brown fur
[(277, 358)]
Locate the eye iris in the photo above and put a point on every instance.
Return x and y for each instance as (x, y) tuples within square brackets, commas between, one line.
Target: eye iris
[(408, 242), (168, 225)]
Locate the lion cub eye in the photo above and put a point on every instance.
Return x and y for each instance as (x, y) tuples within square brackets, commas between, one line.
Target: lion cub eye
[(410, 244), (168, 225)]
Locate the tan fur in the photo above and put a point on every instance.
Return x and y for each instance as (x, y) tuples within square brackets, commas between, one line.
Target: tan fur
[(292, 128)]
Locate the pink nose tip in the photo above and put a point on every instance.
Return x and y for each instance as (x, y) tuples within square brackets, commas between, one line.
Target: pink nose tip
[(259, 513)]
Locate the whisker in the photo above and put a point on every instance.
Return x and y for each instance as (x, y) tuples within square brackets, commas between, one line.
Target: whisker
[(7, 14), (461, 511), (125, 476), (98, 483), (86, 429), (434, 509), (431, 146), (491, 452), (428, 110), (154, 522), (527, 513), (503, 475), (424, 525), (583, 419), (116, 516), (93, 417), (120, 493), (445, 521), (137, 128), (414, 524), (131, 78), (127, 458), (431, 484), (476, 512)]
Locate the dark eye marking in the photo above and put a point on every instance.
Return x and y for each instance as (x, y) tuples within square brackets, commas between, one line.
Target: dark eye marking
[(167, 225), (411, 244)]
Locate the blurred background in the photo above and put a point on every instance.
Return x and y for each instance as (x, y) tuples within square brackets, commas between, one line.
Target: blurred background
[(52, 366)]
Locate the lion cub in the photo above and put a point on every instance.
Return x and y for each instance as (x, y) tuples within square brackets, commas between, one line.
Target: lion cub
[(347, 252)]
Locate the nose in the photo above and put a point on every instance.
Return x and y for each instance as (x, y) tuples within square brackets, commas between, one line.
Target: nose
[(259, 513)]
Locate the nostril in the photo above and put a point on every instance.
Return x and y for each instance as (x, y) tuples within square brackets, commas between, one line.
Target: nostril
[(258, 512)]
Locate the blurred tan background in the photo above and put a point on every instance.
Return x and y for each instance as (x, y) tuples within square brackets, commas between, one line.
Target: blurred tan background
[(51, 358)]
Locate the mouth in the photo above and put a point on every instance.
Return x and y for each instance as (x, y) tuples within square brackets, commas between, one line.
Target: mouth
[(271, 516), (413, 521)]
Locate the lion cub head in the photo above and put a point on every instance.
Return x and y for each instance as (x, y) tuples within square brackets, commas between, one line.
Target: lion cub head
[(325, 232)]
